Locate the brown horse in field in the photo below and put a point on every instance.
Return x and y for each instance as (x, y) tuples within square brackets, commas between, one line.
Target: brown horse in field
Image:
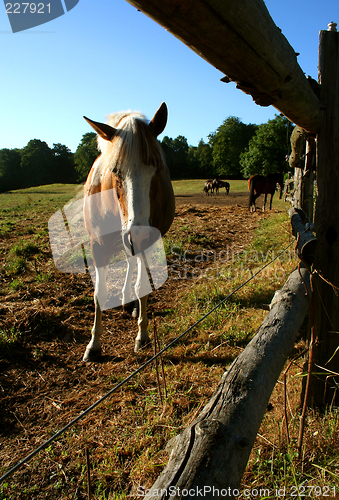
[(215, 186), (128, 204), (259, 184), (226, 185)]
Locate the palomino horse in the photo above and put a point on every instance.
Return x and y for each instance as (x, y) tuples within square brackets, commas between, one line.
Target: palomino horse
[(258, 184), (129, 181)]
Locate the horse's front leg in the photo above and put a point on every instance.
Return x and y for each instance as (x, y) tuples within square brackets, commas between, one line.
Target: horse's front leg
[(142, 339), (93, 349), (141, 286), (127, 298)]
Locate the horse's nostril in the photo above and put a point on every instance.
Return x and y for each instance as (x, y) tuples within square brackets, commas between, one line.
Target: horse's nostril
[(128, 242)]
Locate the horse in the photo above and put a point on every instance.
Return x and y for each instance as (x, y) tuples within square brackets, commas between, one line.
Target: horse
[(208, 187), (128, 182), (226, 185), (258, 184), (215, 186)]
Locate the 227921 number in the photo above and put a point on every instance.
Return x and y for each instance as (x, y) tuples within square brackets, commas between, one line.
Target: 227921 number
[(312, 491), (28, 8)]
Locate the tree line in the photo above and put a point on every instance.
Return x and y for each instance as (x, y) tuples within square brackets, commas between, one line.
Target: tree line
[(234, 150)]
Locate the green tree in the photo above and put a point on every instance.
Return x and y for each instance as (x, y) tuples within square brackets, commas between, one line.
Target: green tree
[(267, 149), (10, 169), (201, 160), (84, 157), (37, 163), (227, 143), (193, 161), (64, 171), (180, 148), (166, 145), (176, 154)]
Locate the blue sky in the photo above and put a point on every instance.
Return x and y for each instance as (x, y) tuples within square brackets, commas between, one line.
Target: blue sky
[(105, 56)]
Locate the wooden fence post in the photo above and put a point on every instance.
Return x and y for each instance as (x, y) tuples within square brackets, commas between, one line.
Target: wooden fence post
[(302, 160), (326, 262), (296, 161), (308, 178), (212, 453)]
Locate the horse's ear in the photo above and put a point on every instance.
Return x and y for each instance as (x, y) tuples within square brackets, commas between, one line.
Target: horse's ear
[(159, 120), (105, 131)]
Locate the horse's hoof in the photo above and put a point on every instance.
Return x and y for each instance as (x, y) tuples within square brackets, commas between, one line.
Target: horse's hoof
[(92, 355), (141, 344)]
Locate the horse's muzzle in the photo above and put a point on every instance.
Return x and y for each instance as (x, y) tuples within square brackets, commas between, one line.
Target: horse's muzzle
[(138, 239)]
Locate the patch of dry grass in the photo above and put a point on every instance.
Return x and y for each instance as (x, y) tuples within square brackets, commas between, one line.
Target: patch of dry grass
[(45, 322)]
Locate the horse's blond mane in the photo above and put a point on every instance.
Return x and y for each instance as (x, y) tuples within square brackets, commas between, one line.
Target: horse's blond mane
[(122, 119), (133, 142)]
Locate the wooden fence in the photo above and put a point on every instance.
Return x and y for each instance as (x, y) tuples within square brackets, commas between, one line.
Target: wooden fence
[(241, 40)]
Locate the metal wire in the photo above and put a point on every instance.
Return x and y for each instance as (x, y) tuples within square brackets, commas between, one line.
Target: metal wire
[(133, 374)]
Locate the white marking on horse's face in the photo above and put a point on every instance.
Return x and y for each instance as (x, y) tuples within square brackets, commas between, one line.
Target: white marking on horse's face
[(137, 185)]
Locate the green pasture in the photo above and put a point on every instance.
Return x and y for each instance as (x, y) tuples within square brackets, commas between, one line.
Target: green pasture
[(192, 366), (193, 187), (29, 207), (196, 186), (40, 196), (59, 194), (45, 200)]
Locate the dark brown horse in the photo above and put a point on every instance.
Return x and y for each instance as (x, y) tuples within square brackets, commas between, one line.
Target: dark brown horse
[(226, 185), (259, 184), (215, 186)]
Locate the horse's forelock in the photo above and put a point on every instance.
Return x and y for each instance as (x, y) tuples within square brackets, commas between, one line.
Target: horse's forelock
[(123, 122), (122, 119), (134, 140)]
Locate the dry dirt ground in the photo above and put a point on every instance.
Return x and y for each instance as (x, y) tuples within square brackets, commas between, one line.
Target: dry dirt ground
[(43, 380)]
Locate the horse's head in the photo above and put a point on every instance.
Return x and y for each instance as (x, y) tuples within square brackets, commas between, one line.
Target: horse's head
[(131, 157)]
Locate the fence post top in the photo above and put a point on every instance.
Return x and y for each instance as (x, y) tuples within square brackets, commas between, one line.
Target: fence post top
[(332, 26)]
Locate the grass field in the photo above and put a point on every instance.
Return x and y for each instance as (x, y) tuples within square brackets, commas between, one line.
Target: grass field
[(195, 186), (127, 435), (57, 195), (26, 204), (44, 196)]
